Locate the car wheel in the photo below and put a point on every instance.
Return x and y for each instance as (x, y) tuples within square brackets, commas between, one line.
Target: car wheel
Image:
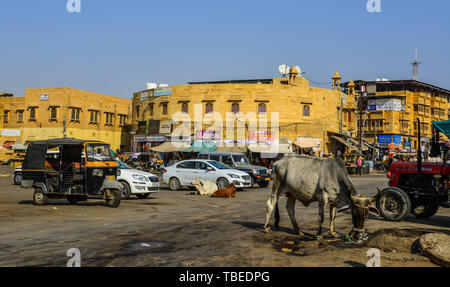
[(125, 192), (72, 199), (17, 179), (394, 204), (222, 183), (142, 195), (263, 184), (113, 197), (425, 211), (39, 197), (252, 182), (174, 184)]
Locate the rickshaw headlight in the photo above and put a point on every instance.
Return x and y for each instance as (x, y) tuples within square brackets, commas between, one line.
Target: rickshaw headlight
[(97, 172), (118, 172)]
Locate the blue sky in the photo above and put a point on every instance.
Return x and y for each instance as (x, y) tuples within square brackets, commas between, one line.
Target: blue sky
[(116, 46)]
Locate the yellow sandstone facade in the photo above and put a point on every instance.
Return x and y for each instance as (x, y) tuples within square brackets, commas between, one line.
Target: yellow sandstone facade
[(303, 111), (394, 107), (58, 112)]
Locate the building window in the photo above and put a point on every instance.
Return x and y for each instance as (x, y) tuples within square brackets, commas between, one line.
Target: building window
[(150, 108), (306, 111), (164, 107), (184, 108), (137, 111), (32, 114), (123, 120), (209, 108), (262, 108), (235, 108), (19, 116), (93, 117), (53, 114), (109, 119), (5, 116), (75, 115)]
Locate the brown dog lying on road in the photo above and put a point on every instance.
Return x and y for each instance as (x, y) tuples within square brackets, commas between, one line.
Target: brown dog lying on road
[(226, 192)]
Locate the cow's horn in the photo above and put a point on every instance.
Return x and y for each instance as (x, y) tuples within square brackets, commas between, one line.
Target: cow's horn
[(374, 198), (353, 198)]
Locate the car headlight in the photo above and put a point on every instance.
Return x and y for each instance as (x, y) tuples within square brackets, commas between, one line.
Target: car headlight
[(233, 175), (140, 177)]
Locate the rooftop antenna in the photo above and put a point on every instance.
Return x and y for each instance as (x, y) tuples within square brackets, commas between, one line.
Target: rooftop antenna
[(415, 65)]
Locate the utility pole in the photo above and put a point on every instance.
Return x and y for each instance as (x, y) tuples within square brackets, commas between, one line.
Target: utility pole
[(341, 112), (361, 109), (64, 127)]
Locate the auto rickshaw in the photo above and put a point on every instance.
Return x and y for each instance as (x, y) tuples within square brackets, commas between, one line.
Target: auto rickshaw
[(80, 170)]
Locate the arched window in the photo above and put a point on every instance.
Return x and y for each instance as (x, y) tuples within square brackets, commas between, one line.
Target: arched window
[(209, 108), (306, 111), (53, 114), (262, 108), (184, 108), (235, 108), (150, 109), (32, 114)]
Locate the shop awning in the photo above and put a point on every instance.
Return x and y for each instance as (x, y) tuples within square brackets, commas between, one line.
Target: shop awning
[(306, 143), (171, 147), (341, 140), (233, 149), (443, 127), (18, 147), (272, 149), (202, 146)]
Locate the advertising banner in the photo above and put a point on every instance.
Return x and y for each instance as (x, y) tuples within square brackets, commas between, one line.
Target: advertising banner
[(10, 133), (165, 127)]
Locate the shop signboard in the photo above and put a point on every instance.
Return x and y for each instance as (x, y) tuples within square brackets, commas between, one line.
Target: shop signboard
[(165, 127), (261, 135), (385, 105), (207, 135), (10, 133), (385, 139), (397, 139)]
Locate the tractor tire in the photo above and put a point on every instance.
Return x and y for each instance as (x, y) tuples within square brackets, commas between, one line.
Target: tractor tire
[(394, 204)]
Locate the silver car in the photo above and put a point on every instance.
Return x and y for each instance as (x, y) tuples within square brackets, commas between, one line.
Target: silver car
[(183, 173)]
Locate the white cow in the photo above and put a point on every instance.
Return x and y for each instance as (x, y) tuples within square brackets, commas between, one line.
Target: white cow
[(204, 187)]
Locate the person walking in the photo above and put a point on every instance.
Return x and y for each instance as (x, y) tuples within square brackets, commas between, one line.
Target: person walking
[(359, 166)]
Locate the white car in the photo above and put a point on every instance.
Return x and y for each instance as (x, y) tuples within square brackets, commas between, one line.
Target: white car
[(183, 173), (137, 182)]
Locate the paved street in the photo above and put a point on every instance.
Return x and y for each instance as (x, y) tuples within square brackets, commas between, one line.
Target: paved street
[(180, 229)]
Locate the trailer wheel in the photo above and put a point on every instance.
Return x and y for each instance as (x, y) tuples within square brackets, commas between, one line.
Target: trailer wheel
[(425, 211), (394, 204), (39, 197)]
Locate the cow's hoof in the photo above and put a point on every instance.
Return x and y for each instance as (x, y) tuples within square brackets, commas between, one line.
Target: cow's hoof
[(268, 230), (334, 235)]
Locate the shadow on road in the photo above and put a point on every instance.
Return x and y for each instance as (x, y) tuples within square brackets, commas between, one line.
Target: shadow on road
[(62, 203)]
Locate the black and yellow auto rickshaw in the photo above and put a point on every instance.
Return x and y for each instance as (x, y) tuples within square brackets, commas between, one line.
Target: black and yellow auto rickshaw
[(80, 170)]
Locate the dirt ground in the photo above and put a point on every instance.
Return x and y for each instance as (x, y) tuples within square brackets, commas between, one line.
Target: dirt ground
[(180, 229)]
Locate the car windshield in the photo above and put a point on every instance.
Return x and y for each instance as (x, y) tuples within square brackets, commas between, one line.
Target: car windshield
[(98, 152), (218, 165), (240, 159), (122, 165)]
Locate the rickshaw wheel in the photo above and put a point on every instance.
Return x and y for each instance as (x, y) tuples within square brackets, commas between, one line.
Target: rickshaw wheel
[(112, 197), (39, 197)]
